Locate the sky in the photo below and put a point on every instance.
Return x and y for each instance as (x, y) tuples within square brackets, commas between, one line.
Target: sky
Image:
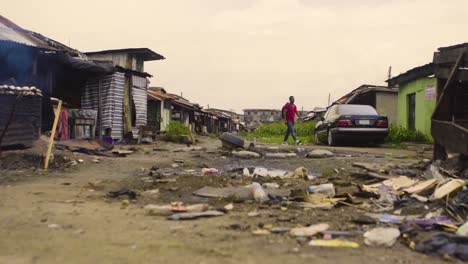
[(238, 54)]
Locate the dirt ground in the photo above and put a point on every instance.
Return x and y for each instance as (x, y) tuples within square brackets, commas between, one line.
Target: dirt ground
[(64, 216)]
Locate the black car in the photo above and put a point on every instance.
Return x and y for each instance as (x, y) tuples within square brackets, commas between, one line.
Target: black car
[(351, 123)]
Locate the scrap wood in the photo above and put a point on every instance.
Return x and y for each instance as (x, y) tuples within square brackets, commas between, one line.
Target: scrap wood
[(422, 186), (396, 184), (447, 188), (371, 175)]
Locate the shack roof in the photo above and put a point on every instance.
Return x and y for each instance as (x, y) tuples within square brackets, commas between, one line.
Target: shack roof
[(12, 33), (413, 74), (182, 102), (365, 88), (158, 96), (144, 53)]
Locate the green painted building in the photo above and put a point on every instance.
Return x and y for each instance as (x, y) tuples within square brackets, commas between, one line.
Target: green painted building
[(416, 97)]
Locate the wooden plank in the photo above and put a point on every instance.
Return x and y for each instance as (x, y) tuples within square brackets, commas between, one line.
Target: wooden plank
[(444, 73), (448, 56), (52, 134)]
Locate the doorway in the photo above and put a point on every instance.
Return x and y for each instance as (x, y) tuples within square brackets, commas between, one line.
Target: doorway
[(412, 111)]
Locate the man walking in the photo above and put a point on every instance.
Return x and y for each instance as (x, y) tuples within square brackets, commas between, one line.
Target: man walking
[(289, 113)]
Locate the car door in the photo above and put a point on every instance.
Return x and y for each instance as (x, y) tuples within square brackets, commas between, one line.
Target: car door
[(322, 126)]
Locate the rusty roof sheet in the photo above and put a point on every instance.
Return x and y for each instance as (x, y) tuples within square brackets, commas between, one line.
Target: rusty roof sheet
[(159, 96), (144, 53), (365, 88)]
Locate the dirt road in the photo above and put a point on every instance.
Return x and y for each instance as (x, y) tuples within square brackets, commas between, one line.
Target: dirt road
[(65, 217)]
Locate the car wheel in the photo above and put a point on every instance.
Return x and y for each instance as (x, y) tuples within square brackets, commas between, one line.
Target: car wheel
[(317, 140), (331, 139)]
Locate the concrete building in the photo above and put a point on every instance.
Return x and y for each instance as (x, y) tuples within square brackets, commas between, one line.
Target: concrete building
[(416, 97), (253, 118), (383, 99)]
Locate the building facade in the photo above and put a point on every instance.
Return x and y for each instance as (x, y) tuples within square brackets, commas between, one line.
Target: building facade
[(417, 95)]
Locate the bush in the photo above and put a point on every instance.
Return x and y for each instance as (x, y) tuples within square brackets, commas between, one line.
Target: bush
[(274, 132), (398, 134), (175, 130)]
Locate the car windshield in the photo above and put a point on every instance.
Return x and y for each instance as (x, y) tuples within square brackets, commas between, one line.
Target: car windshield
[(356, 110)]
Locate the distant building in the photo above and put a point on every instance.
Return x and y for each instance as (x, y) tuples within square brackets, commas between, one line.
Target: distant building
[(416, 97), (253, 118)]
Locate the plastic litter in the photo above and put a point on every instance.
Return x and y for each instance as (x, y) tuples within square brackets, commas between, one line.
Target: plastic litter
[(333, 243), (385, 237), (259, 194), (444, 244), (327, 189), (189, 216), (309, 231), (463, 230), (209, 171)]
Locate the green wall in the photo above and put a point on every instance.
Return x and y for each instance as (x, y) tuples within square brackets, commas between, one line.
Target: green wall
[(424, 107)]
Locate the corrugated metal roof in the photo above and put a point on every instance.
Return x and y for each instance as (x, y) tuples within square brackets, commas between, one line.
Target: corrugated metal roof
[(364, 89), (413, 74), (145, 53), (159, 96)]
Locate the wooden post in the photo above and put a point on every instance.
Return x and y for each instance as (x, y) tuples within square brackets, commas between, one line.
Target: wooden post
[(52, 134)]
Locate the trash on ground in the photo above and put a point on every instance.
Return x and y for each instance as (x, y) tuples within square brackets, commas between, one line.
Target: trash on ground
[(237, 192), (229, 207), (122, 192), (321, 200), (194, 215), (258, 193), (243, 154), (422, 187), (280, 155), (463, 230), (381, 237), (333, 243), (395, 184), (270, 185), (209, 171), (445, 244), (327, 189), (309, 231), (301, 173), (320, 153), (261, 232), (447, 188)]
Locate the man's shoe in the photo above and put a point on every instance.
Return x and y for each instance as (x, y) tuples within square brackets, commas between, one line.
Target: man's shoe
[(284, 143), (298, 142)]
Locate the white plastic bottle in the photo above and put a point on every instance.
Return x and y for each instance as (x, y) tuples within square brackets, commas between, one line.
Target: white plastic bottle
[(258, 193), (327, 189)]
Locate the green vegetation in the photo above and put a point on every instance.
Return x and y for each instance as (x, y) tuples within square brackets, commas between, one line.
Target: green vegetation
[(398, 134), (274, 132), (175, 130)]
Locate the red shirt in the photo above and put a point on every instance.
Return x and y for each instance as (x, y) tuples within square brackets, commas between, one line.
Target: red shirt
[(290, 110)]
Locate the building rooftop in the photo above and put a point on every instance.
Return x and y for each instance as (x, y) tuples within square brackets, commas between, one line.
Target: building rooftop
[(413, 74), (144, 53)]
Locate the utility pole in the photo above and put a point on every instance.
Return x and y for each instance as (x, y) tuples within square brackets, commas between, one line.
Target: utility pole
[(329, 97), (389, 73)]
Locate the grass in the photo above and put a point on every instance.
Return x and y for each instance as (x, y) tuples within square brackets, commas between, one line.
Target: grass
[(175, 130), (274, 132), (398, 134)]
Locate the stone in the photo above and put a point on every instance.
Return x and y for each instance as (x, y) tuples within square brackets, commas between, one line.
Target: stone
[(320, 153), (383, 237), (243, 154)]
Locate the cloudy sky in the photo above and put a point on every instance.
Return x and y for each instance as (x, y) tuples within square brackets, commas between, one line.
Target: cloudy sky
[(237, 54)]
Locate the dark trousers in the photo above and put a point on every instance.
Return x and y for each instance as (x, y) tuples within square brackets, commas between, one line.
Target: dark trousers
[(290, 131)]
